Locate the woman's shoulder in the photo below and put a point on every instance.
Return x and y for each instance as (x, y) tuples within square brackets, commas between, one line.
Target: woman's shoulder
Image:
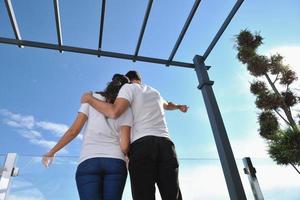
[(99, 96)]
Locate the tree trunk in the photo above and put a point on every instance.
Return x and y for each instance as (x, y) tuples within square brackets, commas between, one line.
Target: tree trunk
[(295, 168), (284, 106)]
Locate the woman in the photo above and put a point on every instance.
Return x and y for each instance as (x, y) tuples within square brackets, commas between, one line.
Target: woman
[(102, 172)]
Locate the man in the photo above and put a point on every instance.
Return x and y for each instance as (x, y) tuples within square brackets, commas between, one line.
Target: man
[(152, 154)]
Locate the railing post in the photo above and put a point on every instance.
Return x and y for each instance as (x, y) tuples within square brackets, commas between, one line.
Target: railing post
[(251, 171), (232, 177), (6, 173)]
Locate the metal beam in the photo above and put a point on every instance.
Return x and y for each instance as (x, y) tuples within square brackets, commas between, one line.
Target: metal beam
[(223, 27), (13, 20), (101, 24), (230, 171), (184, 29), (93, 52), (58, 24), (143, 28)]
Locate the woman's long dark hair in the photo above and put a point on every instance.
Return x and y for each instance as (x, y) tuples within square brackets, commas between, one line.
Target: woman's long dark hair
[(113, 87)]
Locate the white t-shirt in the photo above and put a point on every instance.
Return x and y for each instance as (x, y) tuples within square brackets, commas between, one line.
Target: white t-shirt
[(101, 135), (147, 108)]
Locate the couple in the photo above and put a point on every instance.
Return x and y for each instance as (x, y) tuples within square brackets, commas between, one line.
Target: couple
[(124, 120)]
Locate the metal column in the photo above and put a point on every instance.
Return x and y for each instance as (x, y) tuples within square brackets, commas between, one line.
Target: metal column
[(251, 171), (7, 172), (232, 177)]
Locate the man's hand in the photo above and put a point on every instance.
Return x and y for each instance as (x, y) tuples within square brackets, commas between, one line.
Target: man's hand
[(85, 98), (183, 108)]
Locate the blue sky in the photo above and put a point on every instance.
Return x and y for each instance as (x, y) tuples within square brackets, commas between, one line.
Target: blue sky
[(40, 89)]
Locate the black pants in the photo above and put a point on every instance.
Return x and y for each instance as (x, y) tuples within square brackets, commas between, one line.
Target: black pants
[(153, 160)]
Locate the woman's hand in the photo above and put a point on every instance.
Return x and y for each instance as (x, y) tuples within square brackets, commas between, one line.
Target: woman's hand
[(48, 159)]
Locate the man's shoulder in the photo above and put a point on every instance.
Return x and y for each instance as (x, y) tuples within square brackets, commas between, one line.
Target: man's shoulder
[(132, 86), (138, 87), (151, 88), (126, 87)]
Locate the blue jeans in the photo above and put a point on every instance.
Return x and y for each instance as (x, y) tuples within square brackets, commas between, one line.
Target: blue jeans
[(101, 179)]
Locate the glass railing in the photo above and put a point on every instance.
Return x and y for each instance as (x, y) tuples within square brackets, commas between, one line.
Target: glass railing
[(276, 182), (200, 178)]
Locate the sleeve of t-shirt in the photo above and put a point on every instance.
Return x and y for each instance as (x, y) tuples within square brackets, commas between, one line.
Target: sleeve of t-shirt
[(126, 93), (126, 119), (163, 100), (84, 108)]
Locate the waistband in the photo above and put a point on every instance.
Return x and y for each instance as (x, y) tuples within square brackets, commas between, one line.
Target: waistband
[(149, 137)]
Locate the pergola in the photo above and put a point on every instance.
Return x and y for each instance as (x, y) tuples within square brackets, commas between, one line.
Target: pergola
[(232, 178)]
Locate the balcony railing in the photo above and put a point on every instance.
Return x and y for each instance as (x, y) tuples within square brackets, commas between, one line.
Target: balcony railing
[(200, 178)]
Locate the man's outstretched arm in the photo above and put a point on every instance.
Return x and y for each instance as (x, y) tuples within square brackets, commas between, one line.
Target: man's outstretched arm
[(108, 109), (172, 106)]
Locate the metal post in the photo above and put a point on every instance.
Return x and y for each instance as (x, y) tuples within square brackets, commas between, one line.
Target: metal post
[(137, 49), (251, 171), (232, 177), (223, 28), (58, 24), (101, 25), (9, 170), (184, 29), (13, 20)]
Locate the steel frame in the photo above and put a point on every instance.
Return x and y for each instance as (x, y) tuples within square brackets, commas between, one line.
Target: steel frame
[(101, 24), (58, 24), (8, 171), (232, 178), (13, 19)]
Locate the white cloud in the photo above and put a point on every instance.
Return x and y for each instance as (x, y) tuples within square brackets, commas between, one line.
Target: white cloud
[(198, 180), (290, 54), (29, 128), (250, 146), (45, 143), (243, 78), (55, 128), (11, 123), (285, 176), (292, 58), (48, 144), (31, 134), (17, 120), (203, 182), (206, 181), (24, 190), (201, 114), (28, 122)]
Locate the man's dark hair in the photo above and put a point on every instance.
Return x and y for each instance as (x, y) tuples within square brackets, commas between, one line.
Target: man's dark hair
[(133, 75)]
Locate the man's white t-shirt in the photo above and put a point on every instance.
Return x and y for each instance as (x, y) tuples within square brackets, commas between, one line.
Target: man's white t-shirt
[(147, 108), (101, 135)]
